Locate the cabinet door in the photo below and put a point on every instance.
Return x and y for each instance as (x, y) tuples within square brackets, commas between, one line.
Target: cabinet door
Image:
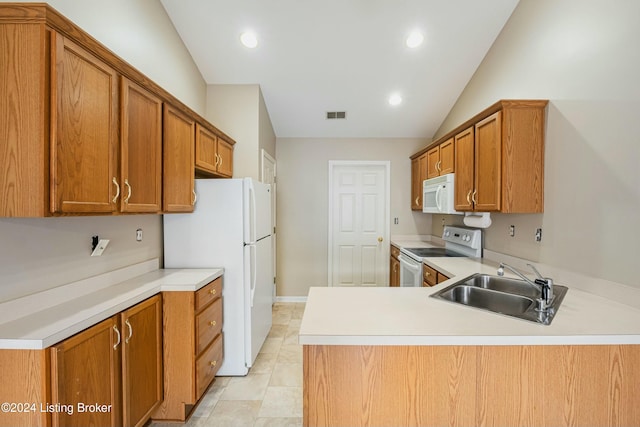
[(206, 150), (395, 272), (178, 156), (141, 149), (447, 156), (488, 154), (225, 154), (433, 160), (142, 360), (416, 185), (84, 132), (465, 170), (85, 369)]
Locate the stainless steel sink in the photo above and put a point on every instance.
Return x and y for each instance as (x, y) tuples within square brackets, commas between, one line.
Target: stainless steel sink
[(511, 297)]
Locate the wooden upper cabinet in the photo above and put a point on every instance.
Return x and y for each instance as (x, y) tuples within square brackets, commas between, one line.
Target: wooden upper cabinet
[(86, 369), (447, 157), (178, 154), (418, 174), (142, 372), (433, 159), (440, 159), (488, 162), (140, 149), (465, 170), (225, 153), (84, 93), (214, 155)]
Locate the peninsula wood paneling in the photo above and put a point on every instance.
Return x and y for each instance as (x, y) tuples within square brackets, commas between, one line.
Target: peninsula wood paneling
[(594, 385)]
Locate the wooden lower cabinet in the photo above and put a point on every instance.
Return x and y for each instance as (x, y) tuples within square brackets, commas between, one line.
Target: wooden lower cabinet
[(431, 276), (555, 385), (107, 375), (193, 350), (394, 267)]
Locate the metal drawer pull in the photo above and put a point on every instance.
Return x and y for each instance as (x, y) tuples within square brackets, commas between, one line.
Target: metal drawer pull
[(115, 198), (214, 363), (212, 323), (212, 291), (195, 198), (473, 197), (130, 331), (118, 333), (126, 182)]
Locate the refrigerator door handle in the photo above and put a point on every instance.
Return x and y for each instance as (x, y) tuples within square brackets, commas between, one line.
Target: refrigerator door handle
[(252, 261), (252, 208)]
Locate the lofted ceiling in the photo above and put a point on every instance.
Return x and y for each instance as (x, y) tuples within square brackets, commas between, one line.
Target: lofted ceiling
[(344, 55)]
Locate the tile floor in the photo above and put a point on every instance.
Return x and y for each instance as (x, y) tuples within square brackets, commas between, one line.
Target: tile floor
[(271, 394)]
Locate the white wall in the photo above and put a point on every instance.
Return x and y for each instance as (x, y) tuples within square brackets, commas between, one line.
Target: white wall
[(241, 112), (583, 56), (38, 254), (302, 205)]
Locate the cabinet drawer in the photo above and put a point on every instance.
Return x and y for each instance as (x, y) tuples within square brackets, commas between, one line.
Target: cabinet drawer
[(429, 275), (208, 293), (395, 252), (207, 365), (442, 277), (208, 325)]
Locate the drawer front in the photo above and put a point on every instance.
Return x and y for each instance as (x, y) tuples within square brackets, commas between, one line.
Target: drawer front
[(208, 293), (207, 365), (208, 325), (442, 277), (395, 252), (430, 275)]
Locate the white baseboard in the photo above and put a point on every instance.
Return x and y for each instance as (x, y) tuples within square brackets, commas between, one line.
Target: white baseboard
[(291, 299)]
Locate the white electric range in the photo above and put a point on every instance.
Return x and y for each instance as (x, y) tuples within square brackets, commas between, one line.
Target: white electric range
[(459, 242)]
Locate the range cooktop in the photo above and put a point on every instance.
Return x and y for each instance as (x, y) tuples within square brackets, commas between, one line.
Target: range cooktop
[(434, 252)]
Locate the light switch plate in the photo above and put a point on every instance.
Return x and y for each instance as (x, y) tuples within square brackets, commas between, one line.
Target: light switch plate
[(102, 245)]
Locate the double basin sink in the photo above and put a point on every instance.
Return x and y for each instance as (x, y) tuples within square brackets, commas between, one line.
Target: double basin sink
[(511, 297)]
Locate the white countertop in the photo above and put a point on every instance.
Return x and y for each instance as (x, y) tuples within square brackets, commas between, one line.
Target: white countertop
[(407, 316), (35, 322)]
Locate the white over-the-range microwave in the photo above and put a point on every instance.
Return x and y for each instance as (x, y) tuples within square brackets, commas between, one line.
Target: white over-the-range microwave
[(438, 195)]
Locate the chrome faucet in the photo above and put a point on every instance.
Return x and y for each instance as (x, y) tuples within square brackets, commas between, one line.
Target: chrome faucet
[(545, 284)]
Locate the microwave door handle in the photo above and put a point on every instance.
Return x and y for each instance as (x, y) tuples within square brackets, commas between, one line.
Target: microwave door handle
[(438, 191)]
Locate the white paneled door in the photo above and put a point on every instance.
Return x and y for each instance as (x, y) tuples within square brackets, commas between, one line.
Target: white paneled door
[(358, 223)]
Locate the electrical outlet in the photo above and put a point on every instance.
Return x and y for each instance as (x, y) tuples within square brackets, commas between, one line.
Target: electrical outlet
[(538, 234), (396, 221), (512, 230), (139, 235)]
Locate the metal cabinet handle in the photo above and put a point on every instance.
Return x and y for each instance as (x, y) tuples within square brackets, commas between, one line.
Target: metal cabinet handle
[(473, 197), (130, 331), (221, 160), (212, 291), (438, 166), (118, 333), (468, 197), (213, 363), (417, 204), (126, 182), (217, 159), (115, 198), (195, 198)]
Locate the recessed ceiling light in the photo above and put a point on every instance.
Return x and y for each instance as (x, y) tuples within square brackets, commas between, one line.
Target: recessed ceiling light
[(395, 99), (249, 39), (415, 39)]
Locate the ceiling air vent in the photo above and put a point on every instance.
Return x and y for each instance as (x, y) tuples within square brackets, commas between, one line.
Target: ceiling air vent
[(336, 114)]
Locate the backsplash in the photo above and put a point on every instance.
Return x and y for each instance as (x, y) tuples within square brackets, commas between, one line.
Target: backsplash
[(43, 253)]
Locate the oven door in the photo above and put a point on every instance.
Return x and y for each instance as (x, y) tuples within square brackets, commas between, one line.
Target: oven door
[(410, 271)]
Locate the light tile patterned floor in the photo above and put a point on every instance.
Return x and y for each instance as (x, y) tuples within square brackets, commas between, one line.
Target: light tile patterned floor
[(271, 394)]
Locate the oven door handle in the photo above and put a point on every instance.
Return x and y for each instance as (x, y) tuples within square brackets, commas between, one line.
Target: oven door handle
[(409, 263)]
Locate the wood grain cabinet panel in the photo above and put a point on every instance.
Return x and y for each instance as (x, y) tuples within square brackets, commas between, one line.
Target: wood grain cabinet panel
[(142, 361), (85, 369), (193, 348), (214, 155), (178, 154), (140, 149), (465, 170), (488, 161), (418, 175), (84, 91), (394, 267)]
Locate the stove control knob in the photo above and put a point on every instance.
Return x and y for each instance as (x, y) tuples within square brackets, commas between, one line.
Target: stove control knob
[(446, 233)]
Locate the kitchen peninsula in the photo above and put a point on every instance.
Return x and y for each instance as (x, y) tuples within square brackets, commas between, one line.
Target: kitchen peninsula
[(394, 356)]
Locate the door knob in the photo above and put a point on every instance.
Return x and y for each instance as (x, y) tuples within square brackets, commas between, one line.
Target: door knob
[(380, 239)]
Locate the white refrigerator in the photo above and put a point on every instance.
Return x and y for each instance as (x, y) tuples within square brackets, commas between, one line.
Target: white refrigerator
[(230, 228)]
